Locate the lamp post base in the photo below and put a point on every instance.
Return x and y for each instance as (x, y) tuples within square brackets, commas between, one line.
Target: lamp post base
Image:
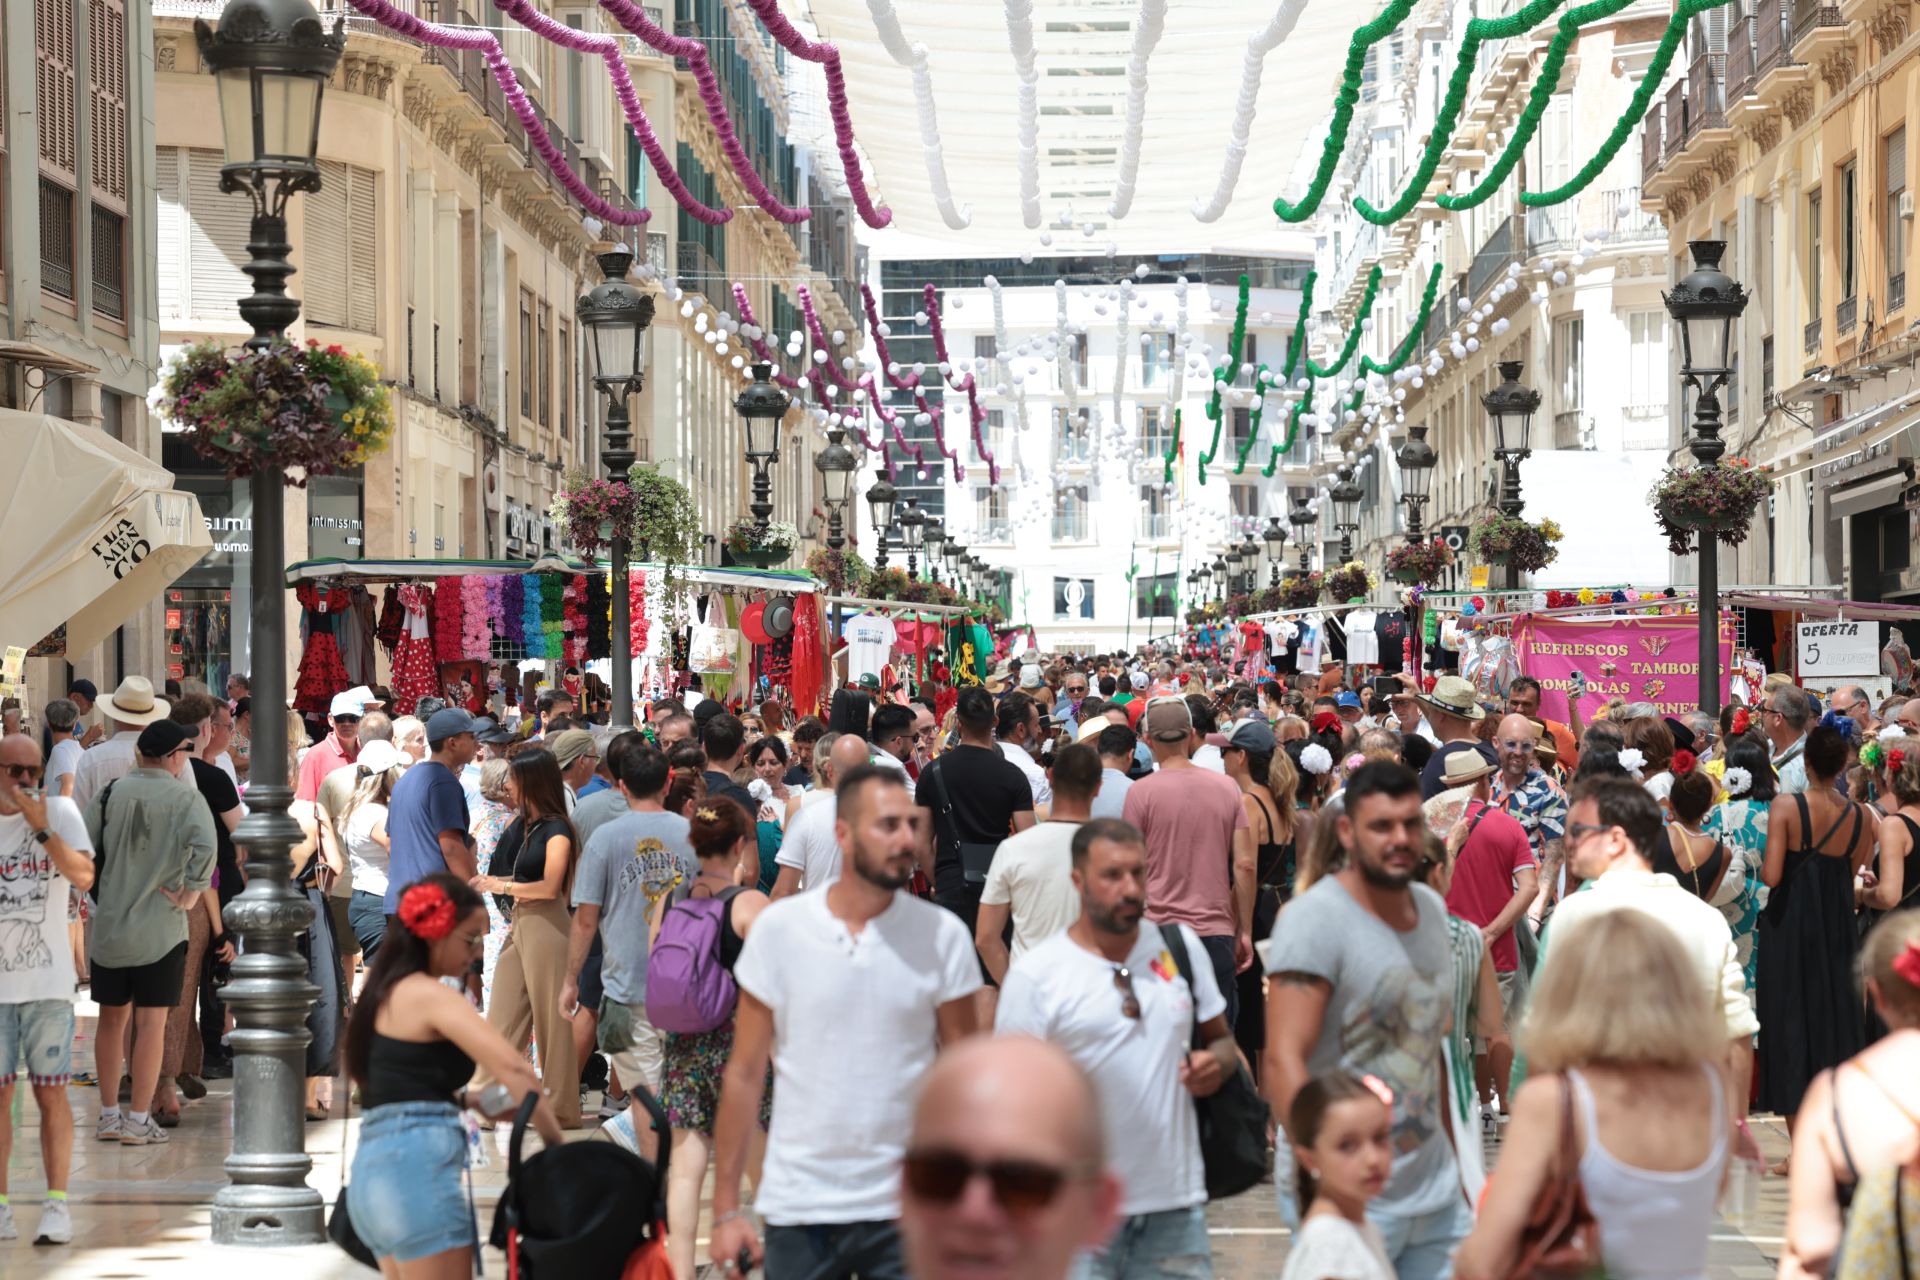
[(270, 1218)]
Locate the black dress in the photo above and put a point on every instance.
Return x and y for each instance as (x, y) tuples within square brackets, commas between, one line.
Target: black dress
[(1909, 895), (1276, 866), (1810, 1016)]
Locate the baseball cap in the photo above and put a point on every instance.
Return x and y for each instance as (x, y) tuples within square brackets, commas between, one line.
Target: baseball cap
[(160, 738), (1254, 736), (86, 689), (1030, 677), (569, 745), (1168, 719), (1348, 698), (446, 723), (366, 696), (346, 704), (1138, 680), (494, 735), (867, 680), (378, 757)]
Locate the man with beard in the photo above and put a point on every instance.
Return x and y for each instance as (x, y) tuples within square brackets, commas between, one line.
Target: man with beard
[(1110, 993), (1006, 1172), (1361, 980), (848, 992)]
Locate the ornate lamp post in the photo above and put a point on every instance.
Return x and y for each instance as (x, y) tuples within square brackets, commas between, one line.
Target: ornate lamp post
[(271, 60), (1276, 539), (956, 557), (933, 536), (1194, 579), (615, 315), (1511, 406), (1417, 460), (1233, 562), (1704, 305), (1302, 519), (836, 464), (1250, 564), (881, 499), (762, 404), (1220, 571), (913, 528), (1346, 494)]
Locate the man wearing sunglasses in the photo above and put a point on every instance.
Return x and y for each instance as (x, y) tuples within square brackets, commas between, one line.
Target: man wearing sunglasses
[(1109, 992), (1006, 1170), (1851, 700), (339, 748), (1786, 715)]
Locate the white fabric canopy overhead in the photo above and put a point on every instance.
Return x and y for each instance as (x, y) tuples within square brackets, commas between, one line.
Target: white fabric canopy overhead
[(93, 531), (1081, 53)]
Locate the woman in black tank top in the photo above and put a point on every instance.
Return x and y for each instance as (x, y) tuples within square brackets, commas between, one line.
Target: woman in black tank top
[(1267, 783)]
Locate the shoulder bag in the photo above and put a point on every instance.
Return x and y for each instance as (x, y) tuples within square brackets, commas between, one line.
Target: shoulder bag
[(1233, 1119), (975, 858), (1561, 1238)]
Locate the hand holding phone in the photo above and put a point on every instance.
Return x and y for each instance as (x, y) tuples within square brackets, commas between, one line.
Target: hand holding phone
[(1576, 684)]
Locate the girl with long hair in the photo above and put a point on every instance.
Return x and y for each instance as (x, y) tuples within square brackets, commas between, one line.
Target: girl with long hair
[(489, 821), (1267, 786), (1342, 1134), (722, 835), (532, 967), (412, 1042)]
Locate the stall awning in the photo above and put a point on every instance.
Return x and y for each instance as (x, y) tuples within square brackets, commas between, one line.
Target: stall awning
[(730, 578), (93, 529)]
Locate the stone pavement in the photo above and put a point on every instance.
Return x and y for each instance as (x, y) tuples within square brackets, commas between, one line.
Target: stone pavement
[(143, 1211)]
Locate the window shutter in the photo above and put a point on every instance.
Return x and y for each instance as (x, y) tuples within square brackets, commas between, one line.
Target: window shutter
[(324, 267), (174, 235), (1897, 160), (107, 70), (53, 47), (363, 229), (219, 225)]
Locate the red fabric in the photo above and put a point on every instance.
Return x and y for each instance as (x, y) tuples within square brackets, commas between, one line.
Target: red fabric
[(944, 702), (415, 673), (1483, 875), (916, 636), (322, 671), (809, 656)]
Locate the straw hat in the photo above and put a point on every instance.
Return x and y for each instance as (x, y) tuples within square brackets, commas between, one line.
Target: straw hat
[(1455, 697), (133, 703)]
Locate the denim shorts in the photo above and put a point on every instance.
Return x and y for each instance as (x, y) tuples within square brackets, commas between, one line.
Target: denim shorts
[(37, 1035), (404, 1190)]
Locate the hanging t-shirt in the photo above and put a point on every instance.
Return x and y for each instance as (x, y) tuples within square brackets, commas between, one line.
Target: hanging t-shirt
[(1281, 637), (36, 957), (1363, 647), (1312, 641), (869, 640), (1390, 631)]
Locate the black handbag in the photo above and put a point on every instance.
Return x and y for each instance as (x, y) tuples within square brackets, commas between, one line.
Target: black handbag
[(1233, 1120), (975, 858), (340, 1231)]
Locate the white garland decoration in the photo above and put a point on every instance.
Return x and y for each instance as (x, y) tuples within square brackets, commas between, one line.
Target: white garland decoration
[(1027, 142), (1259, 45), (1147, 30), (913, 56)]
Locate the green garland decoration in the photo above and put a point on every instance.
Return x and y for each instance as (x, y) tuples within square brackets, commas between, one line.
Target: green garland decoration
[(1479, 30), (1568, 30), (1396, 12), (1297, 344), (1411, 343), (1226, 373), (1259, 411), (1636, 110), (1353, 334), (1173, 449), (1293, 431)]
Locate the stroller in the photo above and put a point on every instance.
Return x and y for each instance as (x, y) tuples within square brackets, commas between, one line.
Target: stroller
[(586, 1210)]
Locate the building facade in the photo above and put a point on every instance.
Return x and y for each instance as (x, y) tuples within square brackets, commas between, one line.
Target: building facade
[(1787, 138), (442, 248)]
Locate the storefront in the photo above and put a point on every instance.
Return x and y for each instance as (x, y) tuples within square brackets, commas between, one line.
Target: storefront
[(207, 609)]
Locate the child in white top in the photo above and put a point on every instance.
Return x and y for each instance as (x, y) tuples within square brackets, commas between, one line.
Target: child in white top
[(1341, 1128)]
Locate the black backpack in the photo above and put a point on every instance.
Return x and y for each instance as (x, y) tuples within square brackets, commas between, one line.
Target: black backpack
[(100, 846)]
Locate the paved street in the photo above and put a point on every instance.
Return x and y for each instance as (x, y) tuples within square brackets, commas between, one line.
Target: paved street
[(142, 1212)]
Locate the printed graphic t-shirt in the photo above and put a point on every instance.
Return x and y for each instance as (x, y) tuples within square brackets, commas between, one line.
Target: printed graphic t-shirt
[(36, 960)]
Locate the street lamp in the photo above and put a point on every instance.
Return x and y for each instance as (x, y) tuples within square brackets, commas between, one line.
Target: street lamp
[(1417, 460), (955, 556), (615, 315), (762, 405), (913, 527), (1346, 494), (881, 499), (1705, 304), (836, 464), (1233, 568), (1511, 406), (1220, 571), (271, 60), (933, 536), (1302, 519), (1250, 564), (1276, 539)]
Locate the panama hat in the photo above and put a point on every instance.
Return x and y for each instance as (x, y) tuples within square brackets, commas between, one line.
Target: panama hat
[(133, 703), (1455, 697)]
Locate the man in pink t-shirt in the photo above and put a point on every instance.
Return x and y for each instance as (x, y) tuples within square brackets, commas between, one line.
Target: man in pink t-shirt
[(1494, 879), (1196, 829)]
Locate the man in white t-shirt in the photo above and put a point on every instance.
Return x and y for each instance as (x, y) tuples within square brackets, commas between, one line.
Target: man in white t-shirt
[(848, 993), (809, 856), (63, 757), (44, 856), (1110, 993), (1031, 876), (1017, 726)]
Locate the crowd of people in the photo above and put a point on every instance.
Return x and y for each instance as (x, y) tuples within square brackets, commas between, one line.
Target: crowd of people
[(962, 982)]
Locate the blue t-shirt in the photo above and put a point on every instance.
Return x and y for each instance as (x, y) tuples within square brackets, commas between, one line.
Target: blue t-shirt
[(595, 785), (426, 801)]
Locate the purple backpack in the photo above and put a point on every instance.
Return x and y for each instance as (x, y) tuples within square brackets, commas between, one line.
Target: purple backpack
[(688, 989)]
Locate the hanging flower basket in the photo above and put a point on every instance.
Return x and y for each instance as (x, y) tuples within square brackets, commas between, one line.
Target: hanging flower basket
[(666, 531), (303, 411), (1351, 581), (844, 571), (761, 548), (1301, 591), (1502, 539), (1720, 498), (593, 512), (1419, 562)]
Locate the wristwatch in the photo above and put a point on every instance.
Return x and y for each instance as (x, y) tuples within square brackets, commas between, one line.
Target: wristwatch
[(43, 835)]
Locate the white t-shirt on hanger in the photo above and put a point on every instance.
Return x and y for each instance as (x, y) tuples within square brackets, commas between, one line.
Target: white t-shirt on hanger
[(869, 642), (1312, 641), (1363, 645)]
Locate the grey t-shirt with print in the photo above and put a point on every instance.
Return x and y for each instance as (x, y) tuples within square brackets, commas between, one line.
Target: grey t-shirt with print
[(630, 863), (1389, 1012)]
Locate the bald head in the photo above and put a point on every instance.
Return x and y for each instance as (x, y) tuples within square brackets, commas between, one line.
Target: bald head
[(1514, 740), (17, 751), (1006, 1099), (849, 751)]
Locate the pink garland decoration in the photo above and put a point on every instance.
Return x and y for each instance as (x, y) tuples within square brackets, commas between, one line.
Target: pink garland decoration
[(634, 19), (476, 641), (817, 333), (976, 415), (445, 37), (637, 607), (829, 59), (449, 622), (813, 377)]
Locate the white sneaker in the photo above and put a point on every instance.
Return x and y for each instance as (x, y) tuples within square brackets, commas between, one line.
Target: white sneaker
[(1489, 1120), (110, 1126), (7, 1230), (56, 1224), (136, 1134)]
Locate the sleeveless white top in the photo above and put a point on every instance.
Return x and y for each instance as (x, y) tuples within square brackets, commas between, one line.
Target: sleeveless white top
[(1652, 1223)]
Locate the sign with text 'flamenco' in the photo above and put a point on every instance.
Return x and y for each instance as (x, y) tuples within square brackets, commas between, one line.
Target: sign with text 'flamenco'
[(1653, 660)]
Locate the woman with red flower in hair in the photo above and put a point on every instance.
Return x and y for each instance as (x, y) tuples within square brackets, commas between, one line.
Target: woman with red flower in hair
[(412, 1045)]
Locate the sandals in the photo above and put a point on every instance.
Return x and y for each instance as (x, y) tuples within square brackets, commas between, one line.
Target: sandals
[(167, 1119), (317, 1112)]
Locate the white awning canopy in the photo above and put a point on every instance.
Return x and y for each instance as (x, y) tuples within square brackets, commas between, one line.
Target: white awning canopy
[(93, 531)]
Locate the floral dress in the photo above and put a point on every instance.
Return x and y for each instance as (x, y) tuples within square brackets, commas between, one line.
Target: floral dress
[(415, 673), (490, 820), (1742, 826)]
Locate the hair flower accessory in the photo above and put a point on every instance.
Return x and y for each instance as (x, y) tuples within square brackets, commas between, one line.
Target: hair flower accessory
[(1634, 761), (1896, 760), (1353, 762), (1873, 755), (1684, 761), (1907, 963), (427, 912), (1892, 731), (1379, 1088), (1742, 721), (1325, 721), (706, 814), (1316, 759), (1738, 781)]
